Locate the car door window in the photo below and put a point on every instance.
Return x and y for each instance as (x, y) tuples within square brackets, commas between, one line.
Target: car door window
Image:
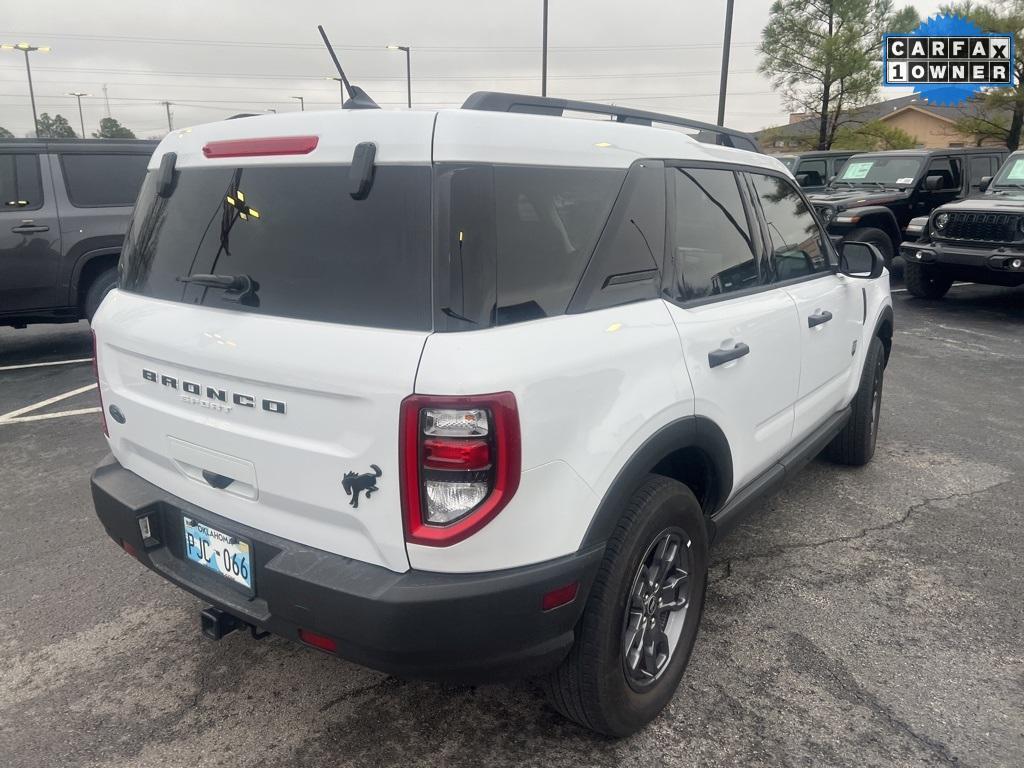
[(980, 166), (948, 169), (713, 251), (21, 186), (813, 173), (797, 244)]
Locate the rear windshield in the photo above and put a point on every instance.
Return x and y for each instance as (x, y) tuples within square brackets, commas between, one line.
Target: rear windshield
[(311, 251)]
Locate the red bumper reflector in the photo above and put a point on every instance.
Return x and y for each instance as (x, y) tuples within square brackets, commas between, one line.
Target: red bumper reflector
[(456, 453), (323, 642), (556, 598), (129, 549), (274, 145)]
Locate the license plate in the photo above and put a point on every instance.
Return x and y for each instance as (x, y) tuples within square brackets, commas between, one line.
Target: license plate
[(219, 552)]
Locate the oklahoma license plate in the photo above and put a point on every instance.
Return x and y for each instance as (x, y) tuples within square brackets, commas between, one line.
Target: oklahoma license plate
[(219, 552)]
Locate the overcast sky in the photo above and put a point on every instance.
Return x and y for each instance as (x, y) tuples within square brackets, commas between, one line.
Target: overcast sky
[(213, 59)]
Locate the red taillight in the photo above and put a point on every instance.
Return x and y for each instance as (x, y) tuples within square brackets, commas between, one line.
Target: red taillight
[(461, 464), (323, 642), (96, 374), (275, 145)]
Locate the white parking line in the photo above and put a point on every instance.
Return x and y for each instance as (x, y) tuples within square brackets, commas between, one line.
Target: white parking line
[(42, 416), (42, 365), (10, 416)]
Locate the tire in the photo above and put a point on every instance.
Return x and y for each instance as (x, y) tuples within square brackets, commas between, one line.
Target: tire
[(855, 444), (925, 282), (593, 686), (98, 289), (877, 238)]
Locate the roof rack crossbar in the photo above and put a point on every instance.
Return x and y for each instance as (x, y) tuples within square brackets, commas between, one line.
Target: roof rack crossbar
[(492, 101)]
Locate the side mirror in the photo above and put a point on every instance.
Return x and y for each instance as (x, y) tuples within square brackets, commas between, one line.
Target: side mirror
[(983, 184), (832, 178), (933, 183), (802, 179), (860, 260)]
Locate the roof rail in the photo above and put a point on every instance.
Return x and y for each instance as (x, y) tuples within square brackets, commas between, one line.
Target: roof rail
[(492, 101)]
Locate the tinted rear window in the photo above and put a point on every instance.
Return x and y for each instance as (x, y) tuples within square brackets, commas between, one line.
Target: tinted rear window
[(314, 251), (98, 180), (21, 187), (516, 239)]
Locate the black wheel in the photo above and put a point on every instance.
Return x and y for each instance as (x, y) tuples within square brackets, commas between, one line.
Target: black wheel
[(877, 238), (855, 445), (925, 281), (100, 286), (640, 623)]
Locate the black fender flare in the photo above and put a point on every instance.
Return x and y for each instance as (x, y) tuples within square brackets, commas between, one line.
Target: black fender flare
[(885, 317), (879, 217), (86, 251), (688, 432)]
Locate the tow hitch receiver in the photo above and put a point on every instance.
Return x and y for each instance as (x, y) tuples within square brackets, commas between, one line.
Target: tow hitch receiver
[(217, 623)]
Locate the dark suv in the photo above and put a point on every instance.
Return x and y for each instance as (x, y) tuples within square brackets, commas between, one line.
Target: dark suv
[(980, 240), (876, 194), (813, 169), (64, 209)]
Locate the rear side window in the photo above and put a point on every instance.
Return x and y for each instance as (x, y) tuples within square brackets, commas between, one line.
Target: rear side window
[(514, 240), (21, 187), (95, 180), (797, 246), (313, 251), (713, 250)]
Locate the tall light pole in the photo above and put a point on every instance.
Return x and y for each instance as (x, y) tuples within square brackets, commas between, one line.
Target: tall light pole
[(302, 103), (544, 55), (167, 106), (408, 70), (341, 88), (81, 120), (27, 49), (724, 82)]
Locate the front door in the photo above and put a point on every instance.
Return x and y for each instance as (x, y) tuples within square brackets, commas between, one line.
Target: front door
[(29, 234)]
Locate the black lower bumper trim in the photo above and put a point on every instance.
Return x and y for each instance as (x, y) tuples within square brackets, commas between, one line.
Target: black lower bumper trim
[(465, 627)]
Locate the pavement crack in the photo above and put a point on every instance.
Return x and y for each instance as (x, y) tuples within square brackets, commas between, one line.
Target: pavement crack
[(861, 534), (806, 656), (387, 682)]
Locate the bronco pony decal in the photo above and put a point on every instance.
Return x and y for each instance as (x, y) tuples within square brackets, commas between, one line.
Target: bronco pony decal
[(354, 483)]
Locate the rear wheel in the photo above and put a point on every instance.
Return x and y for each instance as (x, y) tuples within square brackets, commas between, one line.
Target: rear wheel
[(925, 281), (640, 623), (98, 289), (877, 238), (855, 445)]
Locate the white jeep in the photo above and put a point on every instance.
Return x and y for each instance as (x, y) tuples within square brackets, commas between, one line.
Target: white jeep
[(469, 393)]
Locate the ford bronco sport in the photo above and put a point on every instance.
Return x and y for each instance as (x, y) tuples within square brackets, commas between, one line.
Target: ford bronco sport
[(980, 240), (469, 393), (876, 194), (64, 208)]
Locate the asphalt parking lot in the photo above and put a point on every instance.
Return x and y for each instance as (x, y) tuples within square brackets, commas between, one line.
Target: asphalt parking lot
[(869, 617)]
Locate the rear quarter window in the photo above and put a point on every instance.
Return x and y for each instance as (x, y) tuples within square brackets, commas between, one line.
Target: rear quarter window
[(21, 186), (94, 180)]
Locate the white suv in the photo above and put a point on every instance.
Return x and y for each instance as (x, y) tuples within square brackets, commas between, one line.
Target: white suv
[(469, 393)]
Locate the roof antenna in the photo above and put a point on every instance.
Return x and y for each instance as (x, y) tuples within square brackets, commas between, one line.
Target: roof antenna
[(357, 97)]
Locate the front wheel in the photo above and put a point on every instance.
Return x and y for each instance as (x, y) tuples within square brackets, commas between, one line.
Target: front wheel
[(877, 238), (925, 281), (640, 623)]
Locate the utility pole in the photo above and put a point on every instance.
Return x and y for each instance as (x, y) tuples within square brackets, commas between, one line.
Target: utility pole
[(724, 82), (167, 106), (81, 120), (544, 54), (106, 98), (302, 103)]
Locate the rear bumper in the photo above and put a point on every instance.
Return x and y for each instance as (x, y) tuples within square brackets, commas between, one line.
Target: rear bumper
[(465, 627)]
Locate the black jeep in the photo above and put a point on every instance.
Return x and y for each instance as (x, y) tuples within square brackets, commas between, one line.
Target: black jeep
[(876, 194), (980, 240), (814, 169), (64, 209)]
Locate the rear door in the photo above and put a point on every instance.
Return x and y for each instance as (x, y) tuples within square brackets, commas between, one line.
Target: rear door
[(288, 387), (30, 243), (739, 335), (830, 308)]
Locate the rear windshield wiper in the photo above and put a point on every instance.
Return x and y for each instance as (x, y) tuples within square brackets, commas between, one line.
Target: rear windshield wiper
[(241, 288)]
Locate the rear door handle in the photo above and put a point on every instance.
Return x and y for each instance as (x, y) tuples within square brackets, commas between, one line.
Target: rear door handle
[(818, 318), (721, 356), (27, 229)]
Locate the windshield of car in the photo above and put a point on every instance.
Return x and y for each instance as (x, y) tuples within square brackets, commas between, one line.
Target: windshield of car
[(788, 160), (1011, 176), (887, 170)]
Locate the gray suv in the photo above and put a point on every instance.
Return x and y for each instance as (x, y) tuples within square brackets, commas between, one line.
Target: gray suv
[(64, 209)]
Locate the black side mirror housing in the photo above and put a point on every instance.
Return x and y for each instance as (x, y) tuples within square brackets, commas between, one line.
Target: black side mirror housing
[(860, 260), (983, 184), (802, 179), (933, 183)]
